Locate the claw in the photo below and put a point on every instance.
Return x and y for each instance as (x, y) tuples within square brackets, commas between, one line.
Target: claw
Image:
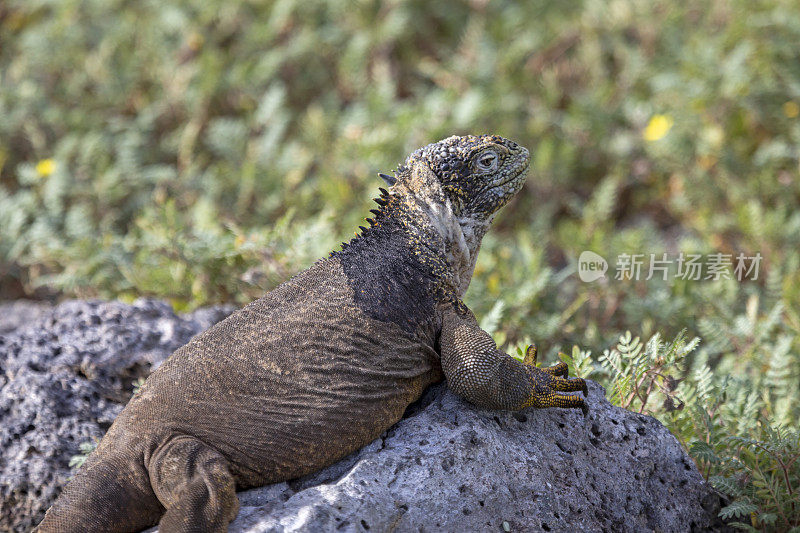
[(555, 399), (530, 359), (552, 391), (568, 385), (530, 355), (561, 369), (552, 383)]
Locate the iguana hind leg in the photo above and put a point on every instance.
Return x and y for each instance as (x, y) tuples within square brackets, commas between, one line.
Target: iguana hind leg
[(194, 483)]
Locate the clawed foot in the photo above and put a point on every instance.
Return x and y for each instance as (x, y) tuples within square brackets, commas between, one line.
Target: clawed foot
[(551, 382)]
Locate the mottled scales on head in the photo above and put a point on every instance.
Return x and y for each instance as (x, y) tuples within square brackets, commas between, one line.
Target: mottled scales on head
[(479, 174)]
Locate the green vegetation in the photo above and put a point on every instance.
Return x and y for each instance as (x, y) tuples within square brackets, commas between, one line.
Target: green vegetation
[(86, 449), (203, 152)]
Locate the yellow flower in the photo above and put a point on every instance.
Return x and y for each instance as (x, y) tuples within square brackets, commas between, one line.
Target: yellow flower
[(657, 128), (791, 109), (45, 167)]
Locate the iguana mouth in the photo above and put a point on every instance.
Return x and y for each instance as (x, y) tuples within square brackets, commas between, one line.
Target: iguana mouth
[(518, 176)]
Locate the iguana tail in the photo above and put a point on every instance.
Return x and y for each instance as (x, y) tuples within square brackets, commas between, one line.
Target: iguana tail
[(111, 494), (184, 486)]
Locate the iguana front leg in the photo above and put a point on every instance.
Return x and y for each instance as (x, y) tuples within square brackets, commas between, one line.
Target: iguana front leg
[(477, 371)]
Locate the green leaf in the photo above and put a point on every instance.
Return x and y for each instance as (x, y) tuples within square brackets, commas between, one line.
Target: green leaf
[(739, 508)]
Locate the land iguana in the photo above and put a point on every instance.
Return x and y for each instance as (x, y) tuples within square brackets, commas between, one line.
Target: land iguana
[(323, 364)]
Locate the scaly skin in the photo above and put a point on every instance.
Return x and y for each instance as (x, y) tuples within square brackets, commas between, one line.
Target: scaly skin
[(323, 364)]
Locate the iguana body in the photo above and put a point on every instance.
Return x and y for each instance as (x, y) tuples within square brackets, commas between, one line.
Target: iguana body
[(323, 364)]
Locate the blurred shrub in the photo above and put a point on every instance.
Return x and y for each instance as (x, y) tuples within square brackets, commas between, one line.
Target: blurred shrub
[(205, 151)]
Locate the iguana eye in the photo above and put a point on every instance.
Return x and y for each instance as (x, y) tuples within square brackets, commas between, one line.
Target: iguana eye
[(487, 161)]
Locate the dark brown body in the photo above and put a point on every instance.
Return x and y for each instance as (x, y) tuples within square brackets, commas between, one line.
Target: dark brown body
[(283, 387), (305, 375)]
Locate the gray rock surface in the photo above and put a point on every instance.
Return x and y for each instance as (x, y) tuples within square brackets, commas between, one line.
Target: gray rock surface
[(451, 467), (19, 313), (65, 374), (445, 467)]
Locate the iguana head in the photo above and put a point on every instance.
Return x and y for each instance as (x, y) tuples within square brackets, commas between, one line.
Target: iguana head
[(478, 174), (455, 187)]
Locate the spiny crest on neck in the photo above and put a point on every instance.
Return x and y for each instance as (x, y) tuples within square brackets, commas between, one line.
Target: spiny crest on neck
[(379, 218), (417, 208), (406, 189)]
